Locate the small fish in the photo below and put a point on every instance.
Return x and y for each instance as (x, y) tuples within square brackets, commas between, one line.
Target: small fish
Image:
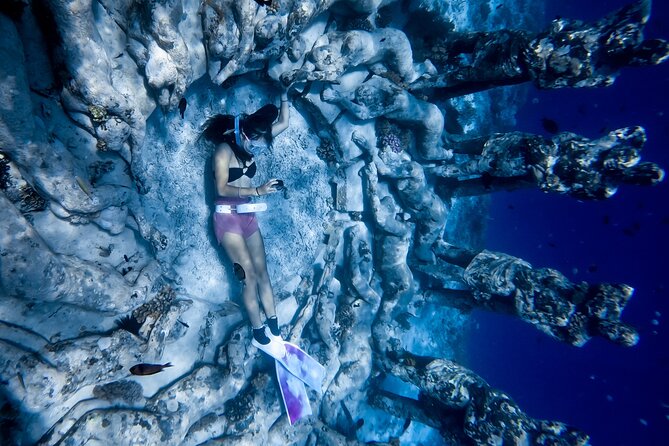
[(550, 125), (119, 55), (551, 244), (83, 184), (606, 219), (20, 377), (183, 323), (182, 107), (511, 207), (148, 369), (593, 268), (264, 2)]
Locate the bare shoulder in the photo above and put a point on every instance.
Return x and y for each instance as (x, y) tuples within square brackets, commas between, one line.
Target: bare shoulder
[(223, 153)]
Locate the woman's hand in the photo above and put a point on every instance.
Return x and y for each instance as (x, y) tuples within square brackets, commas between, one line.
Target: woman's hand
[(269, 188)]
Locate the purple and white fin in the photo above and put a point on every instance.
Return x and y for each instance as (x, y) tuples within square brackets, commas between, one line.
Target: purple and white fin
[(293, 394), (307, 369)]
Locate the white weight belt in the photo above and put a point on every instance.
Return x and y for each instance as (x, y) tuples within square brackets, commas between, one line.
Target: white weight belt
[(244, 208)]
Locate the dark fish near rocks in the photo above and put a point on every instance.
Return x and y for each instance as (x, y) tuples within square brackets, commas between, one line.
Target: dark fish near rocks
[(182, 107), (264, 2), (550, 125), (148, 369)]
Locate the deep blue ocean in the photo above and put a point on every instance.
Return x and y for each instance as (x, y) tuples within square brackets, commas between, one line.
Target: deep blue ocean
[(617, 395)]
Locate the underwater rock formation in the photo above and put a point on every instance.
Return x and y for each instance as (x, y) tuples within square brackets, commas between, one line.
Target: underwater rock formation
[(109, 260)]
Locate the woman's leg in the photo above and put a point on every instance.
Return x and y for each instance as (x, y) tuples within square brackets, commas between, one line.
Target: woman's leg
[(256, 248), (236, 248)]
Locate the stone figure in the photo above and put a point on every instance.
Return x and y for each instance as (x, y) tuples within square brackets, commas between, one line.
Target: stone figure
[(393, 237), (229, 29), (426, 208), (569, 54), (392, 240), (337, 52), (379, 97), (566, 163), (567, 311), (237, 140), (455, 399)]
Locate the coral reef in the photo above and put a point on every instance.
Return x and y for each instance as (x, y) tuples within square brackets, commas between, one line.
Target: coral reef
[(108, 258)]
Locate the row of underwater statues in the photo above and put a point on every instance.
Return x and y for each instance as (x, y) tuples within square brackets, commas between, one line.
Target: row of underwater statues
[(413, 215)]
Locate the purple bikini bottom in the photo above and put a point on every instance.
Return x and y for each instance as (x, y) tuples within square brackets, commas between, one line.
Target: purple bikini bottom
[(243, 224)]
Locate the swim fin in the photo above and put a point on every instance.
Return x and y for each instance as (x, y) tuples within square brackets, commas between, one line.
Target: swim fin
[(306, 368), (293, 394), (295, 360)]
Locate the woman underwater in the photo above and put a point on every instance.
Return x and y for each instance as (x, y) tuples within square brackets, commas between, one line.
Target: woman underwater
[(237, 140)]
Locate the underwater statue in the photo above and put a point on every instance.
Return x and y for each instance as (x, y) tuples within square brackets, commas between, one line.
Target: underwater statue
[(422, 203), (380, 97), (587, 169), (570, 53), (336, 52), (464, 408), (567, 311)]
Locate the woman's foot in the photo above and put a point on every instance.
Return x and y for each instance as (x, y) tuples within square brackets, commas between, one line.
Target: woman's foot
[(273, 325), (263, 342)]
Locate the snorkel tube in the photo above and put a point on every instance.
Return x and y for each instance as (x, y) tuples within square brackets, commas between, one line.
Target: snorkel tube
[(238, 137)]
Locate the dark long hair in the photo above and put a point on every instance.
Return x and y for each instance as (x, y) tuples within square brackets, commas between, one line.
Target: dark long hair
[(221, 129)]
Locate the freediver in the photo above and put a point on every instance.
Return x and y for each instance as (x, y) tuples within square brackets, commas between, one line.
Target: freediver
[(238, 139)]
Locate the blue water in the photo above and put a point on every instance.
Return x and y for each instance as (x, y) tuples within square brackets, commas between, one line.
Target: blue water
[(618, 395)]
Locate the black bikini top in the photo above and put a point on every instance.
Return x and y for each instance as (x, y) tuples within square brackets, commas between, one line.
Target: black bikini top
[(235, 173)]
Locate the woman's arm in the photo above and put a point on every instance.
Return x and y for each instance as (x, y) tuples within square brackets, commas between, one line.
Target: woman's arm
[(221, 170), (284, 114)]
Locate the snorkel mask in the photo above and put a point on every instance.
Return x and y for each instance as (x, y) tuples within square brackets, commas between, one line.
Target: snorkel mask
[(256, 147), (253, 147)]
